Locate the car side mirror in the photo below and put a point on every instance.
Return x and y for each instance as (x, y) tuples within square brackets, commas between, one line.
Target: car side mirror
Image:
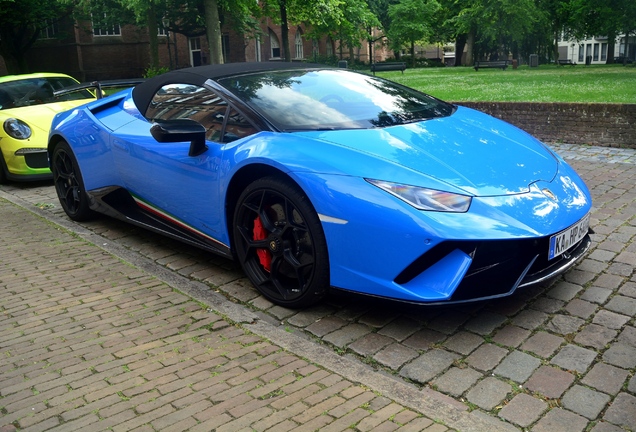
[(180, 130)]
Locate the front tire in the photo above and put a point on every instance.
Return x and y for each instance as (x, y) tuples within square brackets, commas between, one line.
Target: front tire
[(280, 243), (69, 184)]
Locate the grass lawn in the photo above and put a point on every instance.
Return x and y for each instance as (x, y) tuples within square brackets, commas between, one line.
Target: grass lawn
[(547, 83)]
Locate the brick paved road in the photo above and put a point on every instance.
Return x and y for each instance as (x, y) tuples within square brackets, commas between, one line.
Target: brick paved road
[(554, 358)]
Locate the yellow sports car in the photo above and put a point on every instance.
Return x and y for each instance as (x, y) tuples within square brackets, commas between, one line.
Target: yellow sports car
[(27, 106)]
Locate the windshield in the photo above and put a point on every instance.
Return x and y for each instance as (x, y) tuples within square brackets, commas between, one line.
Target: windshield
[(332, 99), (37, 91)]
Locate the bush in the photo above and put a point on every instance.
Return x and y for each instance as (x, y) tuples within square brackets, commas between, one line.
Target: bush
[(150, 71)]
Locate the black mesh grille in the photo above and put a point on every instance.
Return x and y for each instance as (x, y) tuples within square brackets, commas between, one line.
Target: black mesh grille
[(36, 160)]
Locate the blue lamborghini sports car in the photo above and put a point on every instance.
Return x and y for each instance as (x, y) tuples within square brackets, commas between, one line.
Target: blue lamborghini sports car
[(315, 178)]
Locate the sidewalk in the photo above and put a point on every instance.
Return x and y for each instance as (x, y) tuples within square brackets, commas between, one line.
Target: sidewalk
[(141, 332), (89, 341)]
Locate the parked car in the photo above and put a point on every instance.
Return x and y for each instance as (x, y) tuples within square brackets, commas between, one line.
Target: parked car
[(27, 107), (316, 178)]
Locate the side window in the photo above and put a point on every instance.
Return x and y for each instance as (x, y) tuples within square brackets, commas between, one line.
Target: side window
[(177, 101)]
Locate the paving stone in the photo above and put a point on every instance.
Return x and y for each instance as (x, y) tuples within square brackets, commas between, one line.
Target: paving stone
[(620, 269), (456, 381), (550, 382), (543, 344), (586, 402), (559, 419), (609, 281), (581, 308), (602, 255), (530, 319), (564, 291), (488, 393), (579, 277), (628, 336), (400, 328), (621, 355), (428, 365), (485, 323), (511, 336), (606, 378), (395, 355), (628, 289), (563, 324), (463, 342), (592, 266), (496, 423), (517, 366), (622, 412), (486, 357), (622, 305), (595, 336), (370, 344), (344, 336), (631, 387), (448, 322), (596, 294), (548, 305), (326, 326), (378, 318), (606, 427), (523, 410), (572, 357), (610, 319), (424, 339), (309, 316)]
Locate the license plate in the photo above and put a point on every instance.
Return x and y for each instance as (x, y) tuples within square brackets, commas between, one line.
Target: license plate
[(561, 242)]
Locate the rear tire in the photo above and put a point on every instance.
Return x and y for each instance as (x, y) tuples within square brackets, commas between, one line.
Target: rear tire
[(280, 243), (69, 184)]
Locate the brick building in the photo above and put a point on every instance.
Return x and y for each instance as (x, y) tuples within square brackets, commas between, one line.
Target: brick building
[(87, 53)]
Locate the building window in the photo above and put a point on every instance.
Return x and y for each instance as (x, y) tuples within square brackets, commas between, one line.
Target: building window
[(195, 52), (298, 43), (595, 52), (162, 32), (104, 27), (329, 47), (50, 31), (603, 52), (315, 48), (581, 53), (273, 41)]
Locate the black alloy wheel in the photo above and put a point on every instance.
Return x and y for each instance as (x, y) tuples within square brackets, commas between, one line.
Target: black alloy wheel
[(280, 243), (69, 184)]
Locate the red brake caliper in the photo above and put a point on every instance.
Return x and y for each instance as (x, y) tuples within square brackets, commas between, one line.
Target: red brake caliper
[(264, 256)]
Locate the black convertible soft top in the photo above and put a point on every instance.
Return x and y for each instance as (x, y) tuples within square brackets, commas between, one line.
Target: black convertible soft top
[(144, 92)]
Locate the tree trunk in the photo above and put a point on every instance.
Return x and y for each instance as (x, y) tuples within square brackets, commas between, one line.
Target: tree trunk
[(151, 18), (470, 44), (611, 41), (213, 31), (284, 30), (460, 43), (412, 54)]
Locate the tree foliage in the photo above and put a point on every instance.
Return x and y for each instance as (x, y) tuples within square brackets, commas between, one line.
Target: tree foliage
[(411, 22), (21, 22)]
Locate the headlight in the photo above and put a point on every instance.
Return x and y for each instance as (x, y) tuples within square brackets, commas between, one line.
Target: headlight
[(426, 199), (17, 129)]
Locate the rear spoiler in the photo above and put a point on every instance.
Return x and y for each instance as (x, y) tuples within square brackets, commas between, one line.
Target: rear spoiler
[(98, 86)]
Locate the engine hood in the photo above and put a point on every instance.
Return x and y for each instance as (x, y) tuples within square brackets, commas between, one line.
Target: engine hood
[(40, 116), (470, 150)]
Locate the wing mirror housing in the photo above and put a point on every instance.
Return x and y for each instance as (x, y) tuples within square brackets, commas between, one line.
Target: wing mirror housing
[(180, 130)]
